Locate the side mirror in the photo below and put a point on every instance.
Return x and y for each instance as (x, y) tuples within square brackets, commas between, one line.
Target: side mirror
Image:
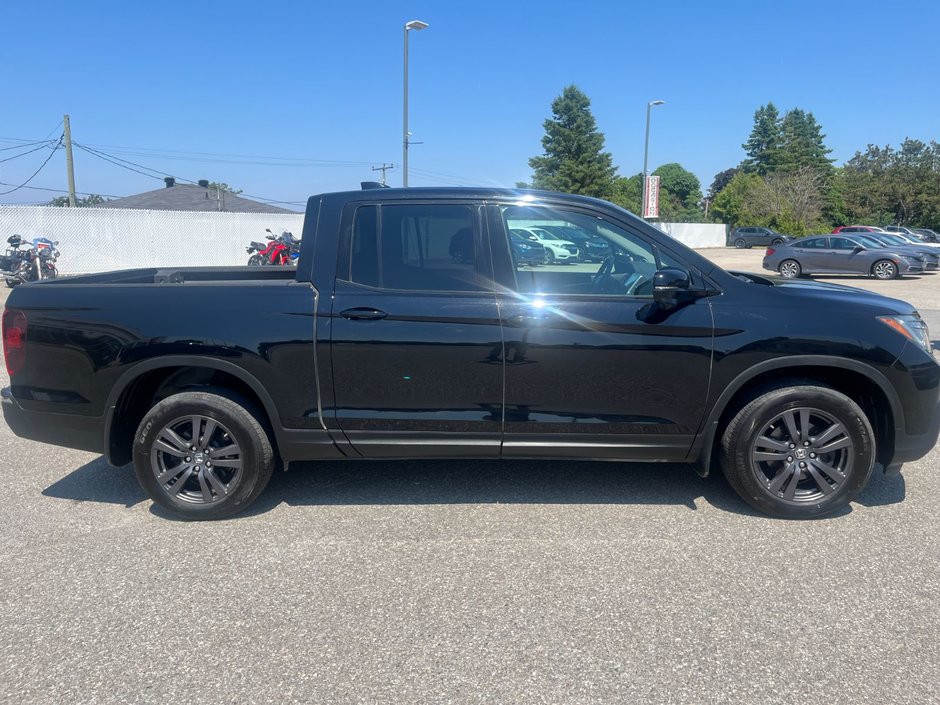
[(857, 249), (668, 286), (268, 230)]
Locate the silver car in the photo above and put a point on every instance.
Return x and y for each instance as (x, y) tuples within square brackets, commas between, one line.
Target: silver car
[(838, 254)]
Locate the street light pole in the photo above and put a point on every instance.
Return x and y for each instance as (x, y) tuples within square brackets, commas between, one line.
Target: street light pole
[(415, 25), (646, 153)]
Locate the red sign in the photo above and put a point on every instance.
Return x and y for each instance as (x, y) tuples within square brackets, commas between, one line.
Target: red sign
[(651, 197)]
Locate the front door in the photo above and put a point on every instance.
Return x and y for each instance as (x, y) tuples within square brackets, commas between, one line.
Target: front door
[(591, 371), (416, 338)]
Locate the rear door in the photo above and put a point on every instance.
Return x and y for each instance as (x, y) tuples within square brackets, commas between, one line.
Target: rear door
[(813, 254), (416, 338), (588, 372)]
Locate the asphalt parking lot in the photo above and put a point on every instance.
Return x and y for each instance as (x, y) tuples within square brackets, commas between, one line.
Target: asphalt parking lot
[(486, 582)]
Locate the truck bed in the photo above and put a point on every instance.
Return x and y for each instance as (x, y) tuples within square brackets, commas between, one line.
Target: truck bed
[(181, 275)]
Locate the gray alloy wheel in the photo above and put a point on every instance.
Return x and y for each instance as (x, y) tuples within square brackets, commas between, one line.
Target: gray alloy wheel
[(549, 256), (885, 269), (799, 451), (790, 269), (778, 241), (203, 455), (802, 455), (195, 459), (740, 243)]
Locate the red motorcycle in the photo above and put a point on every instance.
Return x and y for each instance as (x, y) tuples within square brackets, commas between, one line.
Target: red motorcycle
[(283, 249)]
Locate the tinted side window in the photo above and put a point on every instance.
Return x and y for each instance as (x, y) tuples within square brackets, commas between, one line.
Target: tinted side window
[(841, 243), (415, 247), (612, 260), (818, 243)]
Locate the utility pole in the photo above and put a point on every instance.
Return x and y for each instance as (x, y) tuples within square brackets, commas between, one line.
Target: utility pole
[(385, 167), (68, 160)]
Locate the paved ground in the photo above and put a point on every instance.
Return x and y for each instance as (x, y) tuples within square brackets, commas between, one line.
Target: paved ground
[(467, 582)]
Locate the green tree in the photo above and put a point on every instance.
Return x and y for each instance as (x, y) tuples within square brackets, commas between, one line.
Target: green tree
[(221, 185), (801, 144), (627, 192), (680, 194), (722, 179), (574, 159), (762, 145), (91, 200)]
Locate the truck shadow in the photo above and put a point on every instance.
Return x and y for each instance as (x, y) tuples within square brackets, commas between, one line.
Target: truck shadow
[(464, 482)]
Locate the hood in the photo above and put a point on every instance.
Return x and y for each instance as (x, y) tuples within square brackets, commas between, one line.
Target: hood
[(827, 294)]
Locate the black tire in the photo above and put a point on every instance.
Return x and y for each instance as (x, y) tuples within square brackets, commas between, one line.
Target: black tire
[(254, 261), (206, 492), (778, 241), (740, 243), (790, 269), (884, 269), (797, 477)]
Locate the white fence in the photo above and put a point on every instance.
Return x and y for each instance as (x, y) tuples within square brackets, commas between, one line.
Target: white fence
[(102, 239), (696, 235)]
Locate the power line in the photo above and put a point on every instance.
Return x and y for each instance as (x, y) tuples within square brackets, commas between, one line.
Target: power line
[(62, 190), (28, 144), (111, 158), (54, 150), (23, 154)]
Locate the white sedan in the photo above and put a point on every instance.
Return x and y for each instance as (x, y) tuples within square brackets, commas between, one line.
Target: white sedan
[(556, 249)]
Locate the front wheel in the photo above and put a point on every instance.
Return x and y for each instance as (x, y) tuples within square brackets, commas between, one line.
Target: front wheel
[(778, 241), (799, 452), (254, 261), (740, 243), (549, 257), (885, 269), (790, 269), (202, 455)]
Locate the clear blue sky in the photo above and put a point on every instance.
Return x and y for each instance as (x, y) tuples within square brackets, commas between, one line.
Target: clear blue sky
[(323, 81)]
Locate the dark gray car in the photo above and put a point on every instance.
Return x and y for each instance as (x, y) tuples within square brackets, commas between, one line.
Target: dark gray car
[(836, 254), (748, 237)]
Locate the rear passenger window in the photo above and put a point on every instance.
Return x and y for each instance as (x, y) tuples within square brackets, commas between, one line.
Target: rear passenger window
[(415, 247), (818, 243)]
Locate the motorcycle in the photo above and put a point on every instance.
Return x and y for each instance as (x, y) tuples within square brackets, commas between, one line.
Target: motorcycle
[(283, 249), (34, 263)]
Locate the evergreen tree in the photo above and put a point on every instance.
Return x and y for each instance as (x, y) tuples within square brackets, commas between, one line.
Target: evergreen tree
[(574, 160), (761, 147), (801, 144)]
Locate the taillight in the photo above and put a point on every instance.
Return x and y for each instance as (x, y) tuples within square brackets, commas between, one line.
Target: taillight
[(769, 252), (14, 340)]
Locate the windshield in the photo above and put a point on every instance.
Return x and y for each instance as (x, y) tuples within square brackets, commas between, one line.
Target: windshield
[(868, 241)]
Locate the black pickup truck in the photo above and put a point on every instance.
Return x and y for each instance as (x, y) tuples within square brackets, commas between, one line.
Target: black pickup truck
[(383, 345)]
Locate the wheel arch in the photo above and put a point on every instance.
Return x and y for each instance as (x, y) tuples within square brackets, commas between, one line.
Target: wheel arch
[(146, 382), (864, 384)]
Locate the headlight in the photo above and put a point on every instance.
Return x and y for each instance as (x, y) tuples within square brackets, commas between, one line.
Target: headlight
[(911, 327)]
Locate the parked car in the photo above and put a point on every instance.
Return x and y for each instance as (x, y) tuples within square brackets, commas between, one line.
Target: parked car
[(590, 249), (526, 251), (931, 255), (901, 230), (379, 345), (743, 238), (556, 250), (839, 254), (846, 229), (928, 235)]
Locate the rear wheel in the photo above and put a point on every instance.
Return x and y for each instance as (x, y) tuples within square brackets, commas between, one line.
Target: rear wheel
[(790, 269), (202, 455), (740, 243), (884, 269), (799, 452)]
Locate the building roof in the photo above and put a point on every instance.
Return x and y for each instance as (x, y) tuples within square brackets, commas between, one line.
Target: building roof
[(186, 197)]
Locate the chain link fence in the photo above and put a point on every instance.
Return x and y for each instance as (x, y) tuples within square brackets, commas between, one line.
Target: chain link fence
[(103, 239)]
